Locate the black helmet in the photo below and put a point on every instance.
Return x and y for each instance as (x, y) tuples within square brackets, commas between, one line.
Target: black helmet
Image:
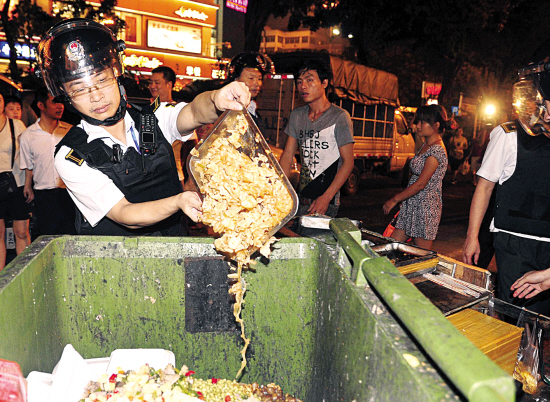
[(77, 48), (262, 62), (530, 93)]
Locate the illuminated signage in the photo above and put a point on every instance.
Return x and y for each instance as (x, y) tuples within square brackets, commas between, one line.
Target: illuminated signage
[(24, 51), (190, 13), (430, 89), (218, 74), (193, 71), (174, 37), (238, 5), (141, 61)]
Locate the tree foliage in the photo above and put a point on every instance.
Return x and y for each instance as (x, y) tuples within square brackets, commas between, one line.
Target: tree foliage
[(436, 40)]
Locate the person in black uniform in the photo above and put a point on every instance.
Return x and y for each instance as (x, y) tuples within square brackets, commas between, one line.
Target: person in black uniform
[(515, 163), (118, 163), (250, 68)]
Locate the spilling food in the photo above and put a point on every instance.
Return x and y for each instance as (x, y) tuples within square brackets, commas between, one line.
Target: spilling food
[(244, 200)]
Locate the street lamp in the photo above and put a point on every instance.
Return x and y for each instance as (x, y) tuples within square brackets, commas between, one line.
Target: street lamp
[(490, 110)]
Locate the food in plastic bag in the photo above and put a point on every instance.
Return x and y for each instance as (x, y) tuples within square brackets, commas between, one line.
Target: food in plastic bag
[(526, 369)]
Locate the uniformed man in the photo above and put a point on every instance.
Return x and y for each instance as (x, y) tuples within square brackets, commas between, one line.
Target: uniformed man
[(118, 163), (516, 163), (250, 68)]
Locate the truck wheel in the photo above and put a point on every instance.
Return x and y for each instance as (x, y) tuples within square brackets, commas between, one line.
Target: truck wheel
[(351, 185)]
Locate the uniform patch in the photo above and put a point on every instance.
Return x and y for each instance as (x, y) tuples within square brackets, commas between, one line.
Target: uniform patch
[(509, 126), (75, 51), (73, 157)]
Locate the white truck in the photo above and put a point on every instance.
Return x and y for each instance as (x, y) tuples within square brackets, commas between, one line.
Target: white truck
[(383, 142)]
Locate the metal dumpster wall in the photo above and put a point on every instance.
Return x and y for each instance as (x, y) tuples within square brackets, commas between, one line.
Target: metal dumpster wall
[(312, 332)]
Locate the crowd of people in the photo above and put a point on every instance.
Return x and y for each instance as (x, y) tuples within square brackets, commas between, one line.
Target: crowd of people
[(121, 170)]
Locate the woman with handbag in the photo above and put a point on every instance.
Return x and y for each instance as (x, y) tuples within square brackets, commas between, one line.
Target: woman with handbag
[(13, 204), (421, 201)]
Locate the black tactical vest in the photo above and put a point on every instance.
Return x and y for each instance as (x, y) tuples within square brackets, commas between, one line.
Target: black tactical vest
[(139, 178), (523, 201)]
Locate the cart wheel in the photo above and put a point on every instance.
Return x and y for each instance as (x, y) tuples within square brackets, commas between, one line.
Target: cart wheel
[(351, 185)]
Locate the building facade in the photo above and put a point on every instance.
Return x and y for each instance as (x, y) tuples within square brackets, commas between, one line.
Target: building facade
[(181, 34), (276, 40)]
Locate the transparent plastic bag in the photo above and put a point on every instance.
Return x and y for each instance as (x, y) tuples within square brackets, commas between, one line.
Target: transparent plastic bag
[(527, 365)]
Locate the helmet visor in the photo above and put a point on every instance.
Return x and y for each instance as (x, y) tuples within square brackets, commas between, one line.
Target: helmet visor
[(529, 105), (81, 88), (76, 49)]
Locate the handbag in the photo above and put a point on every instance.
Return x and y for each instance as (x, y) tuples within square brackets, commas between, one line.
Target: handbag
[(391, 226), (8, 185)]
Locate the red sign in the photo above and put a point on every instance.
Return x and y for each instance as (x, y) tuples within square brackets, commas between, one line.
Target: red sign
[(238, 5), (430, 89)]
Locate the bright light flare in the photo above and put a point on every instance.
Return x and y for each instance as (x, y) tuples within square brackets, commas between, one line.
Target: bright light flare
[(490, 110)]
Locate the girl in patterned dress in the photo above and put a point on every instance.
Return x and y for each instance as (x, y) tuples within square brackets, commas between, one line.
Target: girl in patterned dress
[(421, 201)]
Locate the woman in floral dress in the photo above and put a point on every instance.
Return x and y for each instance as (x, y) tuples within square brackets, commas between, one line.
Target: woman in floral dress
[(421, 201)]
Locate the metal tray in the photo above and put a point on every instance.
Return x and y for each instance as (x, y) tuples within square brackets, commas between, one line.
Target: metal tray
[(319, 222), (253, 144), (403, 254), (374, 238)]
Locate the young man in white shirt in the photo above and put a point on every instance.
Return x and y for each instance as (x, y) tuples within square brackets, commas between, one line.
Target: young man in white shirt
[(53, 207)]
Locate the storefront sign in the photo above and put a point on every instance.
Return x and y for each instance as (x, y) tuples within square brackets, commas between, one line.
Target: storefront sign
[(24, 51), (218, 74), (141, 61), (174, 37), (238, 5), (430, 90), (193, 71), (190, 13)]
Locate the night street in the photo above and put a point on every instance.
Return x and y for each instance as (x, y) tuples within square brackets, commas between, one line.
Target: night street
[(366, 206)]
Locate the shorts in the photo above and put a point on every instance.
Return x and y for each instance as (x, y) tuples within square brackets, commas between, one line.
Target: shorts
[(455, 163), (15, 207)]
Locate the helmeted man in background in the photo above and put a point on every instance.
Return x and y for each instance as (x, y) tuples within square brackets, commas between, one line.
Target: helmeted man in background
[(250, 68), (516, 162), (53, 207), (118, 163)]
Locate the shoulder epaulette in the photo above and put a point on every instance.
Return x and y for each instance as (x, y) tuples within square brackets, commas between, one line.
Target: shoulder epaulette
[(74, 157), (156, 104), (509, 126)]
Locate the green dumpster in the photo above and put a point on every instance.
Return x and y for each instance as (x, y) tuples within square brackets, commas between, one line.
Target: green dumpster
[(317, 328)]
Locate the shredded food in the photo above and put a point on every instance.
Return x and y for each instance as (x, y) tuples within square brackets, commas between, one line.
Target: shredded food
[(244, 198), (173, 385)]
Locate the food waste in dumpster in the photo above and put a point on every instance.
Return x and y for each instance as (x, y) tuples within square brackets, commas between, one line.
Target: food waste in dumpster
[(173, 385), (246, 196), (315, 333)]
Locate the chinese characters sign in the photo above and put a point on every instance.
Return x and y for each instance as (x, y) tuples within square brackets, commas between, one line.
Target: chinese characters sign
[(174, 37), (239, 5), (23, 51)]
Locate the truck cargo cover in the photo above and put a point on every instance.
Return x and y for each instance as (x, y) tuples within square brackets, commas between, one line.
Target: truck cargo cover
[(363, 84)]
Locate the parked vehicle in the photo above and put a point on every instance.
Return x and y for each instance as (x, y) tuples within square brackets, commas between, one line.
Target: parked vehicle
[(383, 141)]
